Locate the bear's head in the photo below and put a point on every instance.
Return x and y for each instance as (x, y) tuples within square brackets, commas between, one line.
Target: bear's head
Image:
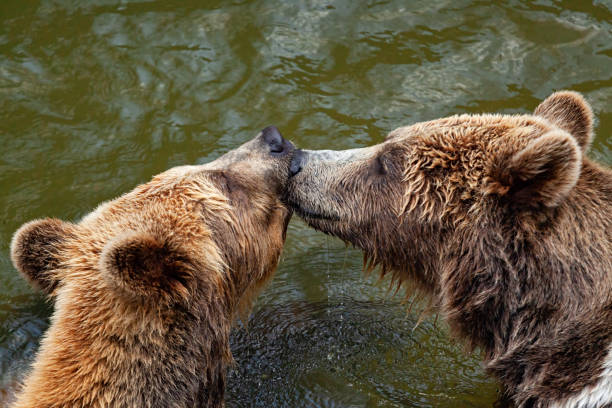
[(404, 200), (189, 234), (503, 221), (146, 287)]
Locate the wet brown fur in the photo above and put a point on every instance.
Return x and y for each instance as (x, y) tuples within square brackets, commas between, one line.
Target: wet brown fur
[(147, 286), (503, 221)]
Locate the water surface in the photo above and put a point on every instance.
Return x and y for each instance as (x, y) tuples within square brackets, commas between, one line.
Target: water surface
[(98, 96)]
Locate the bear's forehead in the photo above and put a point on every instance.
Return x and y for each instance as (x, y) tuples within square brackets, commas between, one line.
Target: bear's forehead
[(473, 131)]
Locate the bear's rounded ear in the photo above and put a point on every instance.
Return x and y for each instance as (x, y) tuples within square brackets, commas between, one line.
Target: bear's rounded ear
[(541, 174), (572, 113), (146, 266), (35, 248)]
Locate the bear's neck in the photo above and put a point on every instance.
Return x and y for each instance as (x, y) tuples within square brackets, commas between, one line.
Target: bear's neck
[(128, 356), (534, 319)]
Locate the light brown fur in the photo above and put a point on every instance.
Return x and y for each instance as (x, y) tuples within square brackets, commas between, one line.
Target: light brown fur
[(147, 286)]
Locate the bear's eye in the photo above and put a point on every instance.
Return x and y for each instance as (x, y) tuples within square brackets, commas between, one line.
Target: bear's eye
[(225, 181), (380, 165), (236, 188)]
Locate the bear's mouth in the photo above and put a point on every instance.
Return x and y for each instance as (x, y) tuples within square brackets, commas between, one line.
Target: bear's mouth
[(309, 214)]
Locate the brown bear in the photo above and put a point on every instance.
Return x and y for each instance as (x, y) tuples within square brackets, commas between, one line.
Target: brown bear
[(504, 222), (147, 285)]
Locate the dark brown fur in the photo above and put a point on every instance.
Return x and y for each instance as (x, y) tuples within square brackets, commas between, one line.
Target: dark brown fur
[(502, 220), (147, 286)]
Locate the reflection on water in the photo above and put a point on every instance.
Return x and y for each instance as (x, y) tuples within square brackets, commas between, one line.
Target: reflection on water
[(97, 96), (350, 353)]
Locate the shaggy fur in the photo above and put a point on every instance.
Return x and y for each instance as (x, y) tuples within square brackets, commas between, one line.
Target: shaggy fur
[(504, 222), (147, 286)]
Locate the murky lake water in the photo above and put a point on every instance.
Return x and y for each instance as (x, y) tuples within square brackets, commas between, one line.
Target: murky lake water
[(98, 96)]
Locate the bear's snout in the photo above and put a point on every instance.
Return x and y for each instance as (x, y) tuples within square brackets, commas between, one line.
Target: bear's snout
[(276, 143)]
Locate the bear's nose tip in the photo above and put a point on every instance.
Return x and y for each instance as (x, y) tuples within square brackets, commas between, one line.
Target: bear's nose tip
[(296, 162), (273, 138)]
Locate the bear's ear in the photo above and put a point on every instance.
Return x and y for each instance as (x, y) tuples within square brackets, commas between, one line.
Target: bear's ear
[(541, 174), (146, 266), (572, 113), (35, 248)]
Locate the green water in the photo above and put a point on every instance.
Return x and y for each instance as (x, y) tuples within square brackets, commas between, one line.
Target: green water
[(98, 96)]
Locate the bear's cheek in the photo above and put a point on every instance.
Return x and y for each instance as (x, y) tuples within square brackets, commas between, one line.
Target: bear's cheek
[(262, 174), (279, 221), (272, 238)]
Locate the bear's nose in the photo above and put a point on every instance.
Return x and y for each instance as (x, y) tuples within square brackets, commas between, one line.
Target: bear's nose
[(296, 162), (273, 138)]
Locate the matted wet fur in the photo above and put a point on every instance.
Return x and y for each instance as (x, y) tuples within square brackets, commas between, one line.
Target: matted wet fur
[(504, 222), (147, 286)]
